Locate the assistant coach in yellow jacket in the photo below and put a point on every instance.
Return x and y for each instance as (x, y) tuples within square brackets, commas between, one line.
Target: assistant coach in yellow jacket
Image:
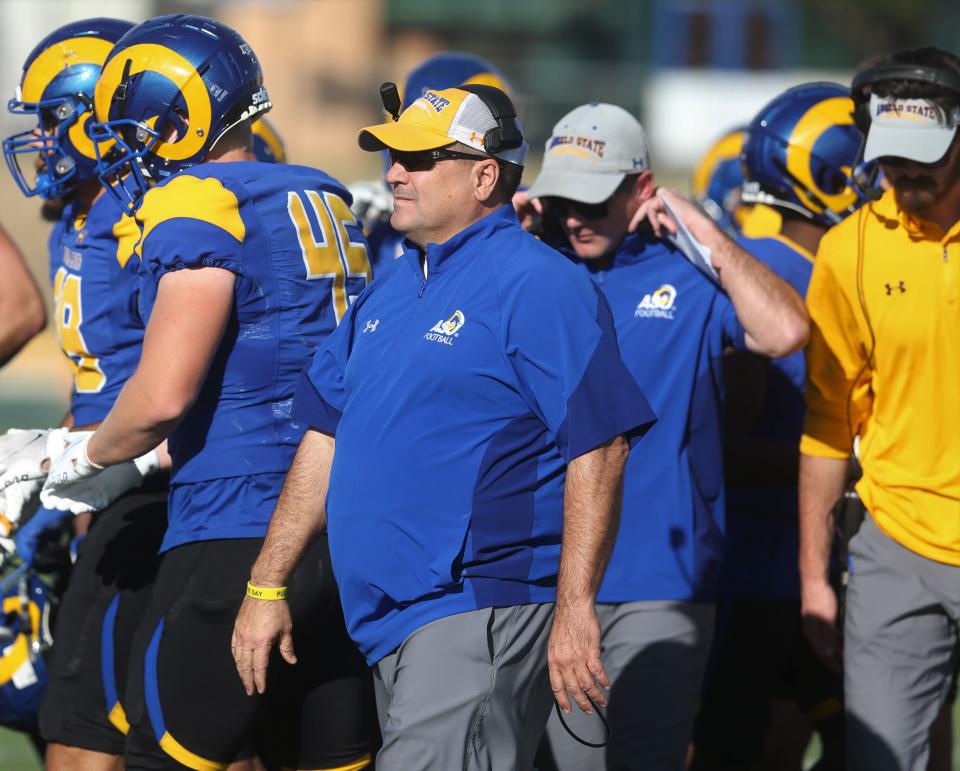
[(884, 364)]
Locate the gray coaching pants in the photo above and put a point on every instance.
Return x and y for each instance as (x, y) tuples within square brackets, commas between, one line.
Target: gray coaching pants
[(901, 648), (655, 654), (469, 691)]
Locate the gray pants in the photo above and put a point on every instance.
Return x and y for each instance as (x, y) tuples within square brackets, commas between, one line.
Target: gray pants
[(655, 654), (469, 691), (901, 648)]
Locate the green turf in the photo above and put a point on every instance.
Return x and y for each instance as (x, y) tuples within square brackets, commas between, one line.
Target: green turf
[(16, 753)]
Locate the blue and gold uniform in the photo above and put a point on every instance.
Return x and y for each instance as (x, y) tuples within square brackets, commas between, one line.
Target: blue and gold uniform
[(100, 332), (95, 294), (762, 538), (299, 258), (760, 654)]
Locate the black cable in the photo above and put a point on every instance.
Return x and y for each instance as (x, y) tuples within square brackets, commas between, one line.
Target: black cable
[(584, 742)]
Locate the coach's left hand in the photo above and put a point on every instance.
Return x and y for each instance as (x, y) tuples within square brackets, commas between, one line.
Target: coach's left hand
[(573, 658), (260, 625)]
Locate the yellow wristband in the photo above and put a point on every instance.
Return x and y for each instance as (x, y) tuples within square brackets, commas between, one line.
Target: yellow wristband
[(266, 592)]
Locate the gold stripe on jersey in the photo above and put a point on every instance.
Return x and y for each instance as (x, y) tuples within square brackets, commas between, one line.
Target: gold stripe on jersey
[(185, 196), (127, 232)]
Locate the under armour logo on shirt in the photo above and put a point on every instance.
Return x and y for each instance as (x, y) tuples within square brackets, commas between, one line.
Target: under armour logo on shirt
[(901, 286), (371, 326)]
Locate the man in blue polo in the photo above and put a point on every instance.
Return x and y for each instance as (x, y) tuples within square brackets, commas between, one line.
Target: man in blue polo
[(673, 321), (470, 415)]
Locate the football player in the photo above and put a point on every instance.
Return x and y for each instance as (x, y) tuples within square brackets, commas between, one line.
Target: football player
[(373, 201), (246, 270), (798, 153), (718, 187), (100, 333)]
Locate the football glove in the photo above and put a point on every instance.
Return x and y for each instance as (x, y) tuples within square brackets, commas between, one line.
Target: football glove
[(78, 485), (24, 473), (16, 439)]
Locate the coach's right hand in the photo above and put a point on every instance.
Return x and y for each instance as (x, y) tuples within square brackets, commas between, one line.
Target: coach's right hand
[(260, 625), (819, 613)]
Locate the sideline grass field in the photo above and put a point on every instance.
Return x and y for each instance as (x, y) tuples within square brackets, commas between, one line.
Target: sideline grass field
[(16, 753)]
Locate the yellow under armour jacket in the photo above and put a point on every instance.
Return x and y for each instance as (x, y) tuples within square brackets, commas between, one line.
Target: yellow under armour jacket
[(884, 363)]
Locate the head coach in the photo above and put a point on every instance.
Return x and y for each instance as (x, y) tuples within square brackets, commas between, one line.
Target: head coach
[(470, 420)]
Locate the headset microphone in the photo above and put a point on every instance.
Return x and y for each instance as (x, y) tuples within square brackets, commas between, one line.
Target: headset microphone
[(390, 97)]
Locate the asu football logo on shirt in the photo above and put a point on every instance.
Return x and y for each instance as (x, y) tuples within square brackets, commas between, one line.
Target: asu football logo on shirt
[(444, 331), (657, 305)]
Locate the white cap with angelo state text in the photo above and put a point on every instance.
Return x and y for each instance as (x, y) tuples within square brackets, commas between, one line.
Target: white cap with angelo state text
[(589, 153), (916, 129)]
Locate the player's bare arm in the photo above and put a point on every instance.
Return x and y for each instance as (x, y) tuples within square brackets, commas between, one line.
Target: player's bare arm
[(821, 485), (22, 313), (192, 310), (593, 494), (772, 313), (297, 519)]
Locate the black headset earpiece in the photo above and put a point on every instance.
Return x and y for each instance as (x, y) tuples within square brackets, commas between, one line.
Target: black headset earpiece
[(863, 83), (506, 135)]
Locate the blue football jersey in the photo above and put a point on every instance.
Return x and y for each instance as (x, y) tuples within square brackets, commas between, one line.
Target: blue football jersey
[(673, 325), (95, 295), (763, 538), (299, 257)]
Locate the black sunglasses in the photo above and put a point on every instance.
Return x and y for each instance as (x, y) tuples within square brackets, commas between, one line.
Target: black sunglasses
[(588, 211), (425, 160)]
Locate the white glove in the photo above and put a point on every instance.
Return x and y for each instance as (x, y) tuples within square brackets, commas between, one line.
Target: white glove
[(16, 439), (24, 474), (78, 485), (372, 202)]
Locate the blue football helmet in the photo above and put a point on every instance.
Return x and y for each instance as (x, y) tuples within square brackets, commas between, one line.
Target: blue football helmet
[(267, 144), (451, 69), (24, 639), (56, 89), (718, 180), (800, 152), (170, 89)]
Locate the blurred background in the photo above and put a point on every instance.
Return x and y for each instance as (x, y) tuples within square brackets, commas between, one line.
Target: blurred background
[(690, 69)]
